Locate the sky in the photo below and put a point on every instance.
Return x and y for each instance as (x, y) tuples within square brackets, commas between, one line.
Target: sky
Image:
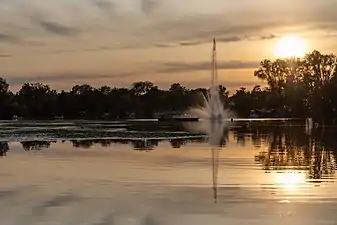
[(117, 42)]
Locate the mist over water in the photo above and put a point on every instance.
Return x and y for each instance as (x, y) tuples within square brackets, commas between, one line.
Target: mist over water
[(211, 107)]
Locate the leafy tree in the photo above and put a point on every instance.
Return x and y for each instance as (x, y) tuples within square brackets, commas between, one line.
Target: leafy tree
[(36, 100), (4, 148), (5, 100), (300, 87), (178, 88), (224, 95), (4, 86), (141, 88), (241, 102)]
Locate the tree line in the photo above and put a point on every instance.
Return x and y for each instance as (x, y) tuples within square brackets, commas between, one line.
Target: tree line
[(295, 87)]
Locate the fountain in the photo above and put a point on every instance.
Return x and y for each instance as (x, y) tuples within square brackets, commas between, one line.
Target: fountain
[(212, 108), (214, 121)]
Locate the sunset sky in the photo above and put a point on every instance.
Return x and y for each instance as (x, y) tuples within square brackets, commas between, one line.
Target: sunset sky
[(118, 42)]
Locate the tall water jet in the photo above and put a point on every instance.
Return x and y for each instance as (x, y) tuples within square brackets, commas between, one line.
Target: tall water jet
[(213, 123), (213, 115), (212, 107)]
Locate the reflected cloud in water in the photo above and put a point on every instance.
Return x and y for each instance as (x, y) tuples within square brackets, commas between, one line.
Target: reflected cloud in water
[(286, 150), (294, 156)]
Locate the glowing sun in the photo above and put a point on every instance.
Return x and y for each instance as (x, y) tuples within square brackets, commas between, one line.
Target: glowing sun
[(290, 46)]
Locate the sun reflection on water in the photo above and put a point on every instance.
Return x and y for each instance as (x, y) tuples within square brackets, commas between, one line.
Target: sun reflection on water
[(290, 180)]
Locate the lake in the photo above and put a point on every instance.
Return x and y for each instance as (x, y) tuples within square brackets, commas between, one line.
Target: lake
[(147, 172)]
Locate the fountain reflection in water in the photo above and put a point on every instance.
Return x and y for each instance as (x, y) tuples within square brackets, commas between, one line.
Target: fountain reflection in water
[(213, 122), (216, 139)]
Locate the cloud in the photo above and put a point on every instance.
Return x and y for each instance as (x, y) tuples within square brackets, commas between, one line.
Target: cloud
[(142, 24), (268, 37), (58, 29), (8, 38), (105, 48), (164, 45), (174, 67), (231, 39), (147, 6), (19, 80), (218, 39), (153, 23), (191, 43), (201, 29), (105, 6), (5, 55), (228, 39)]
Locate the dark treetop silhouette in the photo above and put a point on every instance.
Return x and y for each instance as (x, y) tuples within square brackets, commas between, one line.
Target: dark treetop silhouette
[(301, 87)]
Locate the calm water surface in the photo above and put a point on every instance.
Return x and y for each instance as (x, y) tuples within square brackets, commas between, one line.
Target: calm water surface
[(149, 173)]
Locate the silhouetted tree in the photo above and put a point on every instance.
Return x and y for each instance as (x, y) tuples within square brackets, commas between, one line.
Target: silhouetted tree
[(301, 87), (4, 148), (6, 98), (36, 100), (142, 88), (35, 145), (83, 143), (144, 145), (177, 143), (242, 102)]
